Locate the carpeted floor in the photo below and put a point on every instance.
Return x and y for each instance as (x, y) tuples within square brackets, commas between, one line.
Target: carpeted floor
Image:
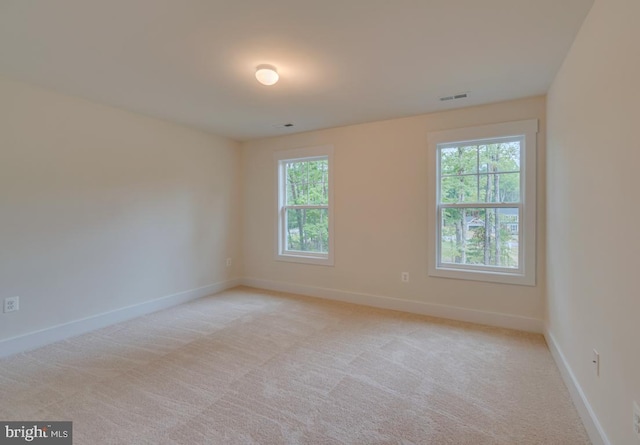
[(255, 367)]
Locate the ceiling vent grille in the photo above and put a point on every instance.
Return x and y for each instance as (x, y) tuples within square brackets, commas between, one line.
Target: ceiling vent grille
[(455, 97)]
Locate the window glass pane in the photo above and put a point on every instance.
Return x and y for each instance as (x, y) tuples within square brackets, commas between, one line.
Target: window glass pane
[(307, 230), (297, 193), (458, 160), (480, 236), (459, 189), (500, 187), (318, 182), (307, 182), (296, 174), (499, 157)]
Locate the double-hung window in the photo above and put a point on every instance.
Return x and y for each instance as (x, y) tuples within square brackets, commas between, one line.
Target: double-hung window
[(305, 198), (484, 203)]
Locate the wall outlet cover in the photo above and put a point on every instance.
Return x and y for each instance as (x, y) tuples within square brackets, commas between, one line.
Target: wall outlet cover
[(11, 304)]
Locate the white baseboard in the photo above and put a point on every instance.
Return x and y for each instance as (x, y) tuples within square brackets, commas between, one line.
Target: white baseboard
[(46, 336), (589, 419), (416, 307)]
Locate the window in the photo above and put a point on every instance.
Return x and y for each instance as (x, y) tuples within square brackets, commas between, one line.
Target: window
[(305, 196), (484, 203)]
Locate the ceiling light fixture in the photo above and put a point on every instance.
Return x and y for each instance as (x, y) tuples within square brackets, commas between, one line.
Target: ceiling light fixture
[(267, 74)]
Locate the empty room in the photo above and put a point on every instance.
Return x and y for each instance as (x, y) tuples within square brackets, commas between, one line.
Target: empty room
[(333, 222)]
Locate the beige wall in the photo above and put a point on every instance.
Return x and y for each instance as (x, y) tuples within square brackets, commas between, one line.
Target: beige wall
[(102, 208), (593, 238), (381, 227)]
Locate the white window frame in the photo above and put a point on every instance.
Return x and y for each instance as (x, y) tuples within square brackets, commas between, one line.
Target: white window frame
[(302, 154), (526, 272)]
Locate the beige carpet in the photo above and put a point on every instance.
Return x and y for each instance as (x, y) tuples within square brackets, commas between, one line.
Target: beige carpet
[(253, 367)]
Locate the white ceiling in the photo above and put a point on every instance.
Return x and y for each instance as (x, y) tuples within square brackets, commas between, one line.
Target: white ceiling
[(340, 61)]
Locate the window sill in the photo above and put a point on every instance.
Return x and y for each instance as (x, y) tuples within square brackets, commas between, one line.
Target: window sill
[(482, 275), (303, 259)]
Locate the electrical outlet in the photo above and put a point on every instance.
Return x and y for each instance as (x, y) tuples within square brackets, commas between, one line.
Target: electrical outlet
[(11, 304), (404, 276), (228, 262), (596, 362), (636, 419)]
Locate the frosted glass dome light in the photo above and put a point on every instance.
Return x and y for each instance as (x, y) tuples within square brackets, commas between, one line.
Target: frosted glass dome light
[(266, 75)]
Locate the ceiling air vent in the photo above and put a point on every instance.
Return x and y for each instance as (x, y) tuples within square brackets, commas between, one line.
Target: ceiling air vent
[(455, 96)]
